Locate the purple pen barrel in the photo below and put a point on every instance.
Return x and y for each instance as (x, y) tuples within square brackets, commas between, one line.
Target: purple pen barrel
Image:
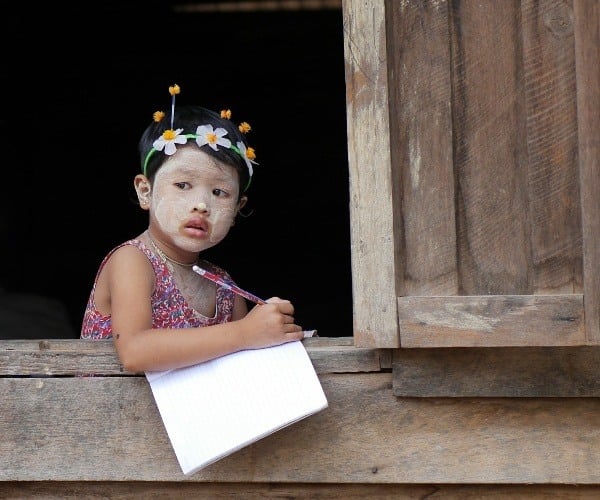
[(230, 286)]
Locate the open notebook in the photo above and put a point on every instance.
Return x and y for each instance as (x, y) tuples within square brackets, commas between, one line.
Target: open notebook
[(215, 408)]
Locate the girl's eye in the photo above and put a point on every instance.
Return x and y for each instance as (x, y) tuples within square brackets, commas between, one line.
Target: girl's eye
[(219, 192), (182, 185)]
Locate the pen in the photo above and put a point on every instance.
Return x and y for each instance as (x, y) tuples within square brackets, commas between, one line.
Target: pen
[(236, 289), (230, 286)]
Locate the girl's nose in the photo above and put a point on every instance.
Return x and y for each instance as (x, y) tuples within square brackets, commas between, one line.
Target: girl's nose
[(201, 207)]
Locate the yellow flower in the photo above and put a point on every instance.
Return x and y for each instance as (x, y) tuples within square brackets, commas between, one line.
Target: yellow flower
[(226, 113), (169, 135), (158, 116), (245, 127), (174, 89), (250, 153)]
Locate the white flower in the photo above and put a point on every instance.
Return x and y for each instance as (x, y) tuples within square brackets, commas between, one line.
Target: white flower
[(249, 160), (168, 140), (206, 135)]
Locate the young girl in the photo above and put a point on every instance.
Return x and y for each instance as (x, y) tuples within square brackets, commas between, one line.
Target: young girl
[(196, 165)]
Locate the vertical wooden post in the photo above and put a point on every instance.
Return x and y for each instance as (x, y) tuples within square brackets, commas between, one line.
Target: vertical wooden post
[(587, 63), (372, 210)]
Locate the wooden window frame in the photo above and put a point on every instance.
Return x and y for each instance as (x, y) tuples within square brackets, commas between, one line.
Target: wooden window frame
[(375, 210)]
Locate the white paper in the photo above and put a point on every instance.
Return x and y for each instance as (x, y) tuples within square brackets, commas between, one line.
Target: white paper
[(215, 408)]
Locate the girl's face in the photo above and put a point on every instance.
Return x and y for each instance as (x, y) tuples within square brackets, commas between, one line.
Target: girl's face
[(194, 199)]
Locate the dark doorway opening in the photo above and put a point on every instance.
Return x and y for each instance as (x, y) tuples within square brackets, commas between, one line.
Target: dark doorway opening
[(78, 95)]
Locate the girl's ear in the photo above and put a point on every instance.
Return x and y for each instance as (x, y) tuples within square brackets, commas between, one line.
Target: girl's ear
[(240, 205), (143, 188)]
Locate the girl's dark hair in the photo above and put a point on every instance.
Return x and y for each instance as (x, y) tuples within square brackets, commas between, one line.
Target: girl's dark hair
[(189, 118)]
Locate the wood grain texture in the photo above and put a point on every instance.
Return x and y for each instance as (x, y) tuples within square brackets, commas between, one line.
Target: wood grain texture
[(421, 146), (64, 357), (129, 490), (587, 61), (108, 429), (483, 183), (516, 372), (492, 321), (372, 204), (551, 132), (490, 151)]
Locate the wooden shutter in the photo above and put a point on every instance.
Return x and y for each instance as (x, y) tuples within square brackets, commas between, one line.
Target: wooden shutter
[(473, 148)]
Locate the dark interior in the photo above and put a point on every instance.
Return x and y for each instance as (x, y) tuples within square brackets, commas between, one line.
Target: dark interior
[(80, 84)]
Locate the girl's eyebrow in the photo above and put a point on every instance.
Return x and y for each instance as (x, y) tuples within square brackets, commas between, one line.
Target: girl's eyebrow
[(191, 172)]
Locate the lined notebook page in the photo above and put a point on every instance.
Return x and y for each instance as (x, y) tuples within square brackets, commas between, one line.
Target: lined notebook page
[(214, 408)]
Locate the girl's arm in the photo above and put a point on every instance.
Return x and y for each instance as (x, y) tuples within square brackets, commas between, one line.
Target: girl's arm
[(129, 281)]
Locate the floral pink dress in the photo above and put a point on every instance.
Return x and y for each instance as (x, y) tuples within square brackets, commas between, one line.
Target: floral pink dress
[(169, 308)]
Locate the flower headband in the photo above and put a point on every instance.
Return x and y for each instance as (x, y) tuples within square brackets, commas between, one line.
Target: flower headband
[(205, 136)]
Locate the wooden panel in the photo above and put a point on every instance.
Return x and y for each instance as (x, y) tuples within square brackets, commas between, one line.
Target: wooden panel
[(553, 176), (58, 357), (108, 429), (372, 206), (63, 357), (516, 133), (421, 142), (500, 372), (490, 321), (490, 150), (128, 490), (587, 57)]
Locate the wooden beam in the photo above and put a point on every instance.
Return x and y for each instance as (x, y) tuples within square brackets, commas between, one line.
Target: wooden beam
[(587, 63), (257, 6), (372, 204), (512, 372), (126, 490), (108, 429), (492, 320), (63, 357)]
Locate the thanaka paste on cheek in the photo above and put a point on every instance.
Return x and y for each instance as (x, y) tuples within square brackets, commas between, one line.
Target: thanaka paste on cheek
[(172, 209), (222, 220)]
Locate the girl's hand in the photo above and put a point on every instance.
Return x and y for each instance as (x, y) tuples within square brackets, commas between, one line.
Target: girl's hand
[(271, 324)]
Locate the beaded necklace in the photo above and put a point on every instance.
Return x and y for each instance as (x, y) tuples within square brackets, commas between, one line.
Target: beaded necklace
[(166, 258)]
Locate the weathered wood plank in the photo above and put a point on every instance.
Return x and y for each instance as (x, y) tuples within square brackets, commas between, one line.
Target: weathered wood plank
[(531, 372), (553, 176), (372, 204), (108, 429), (64, 357), (58, 357), (421, 142), (490, 156), (587, 61), (128, 490), (492, 320), (81, 346)]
